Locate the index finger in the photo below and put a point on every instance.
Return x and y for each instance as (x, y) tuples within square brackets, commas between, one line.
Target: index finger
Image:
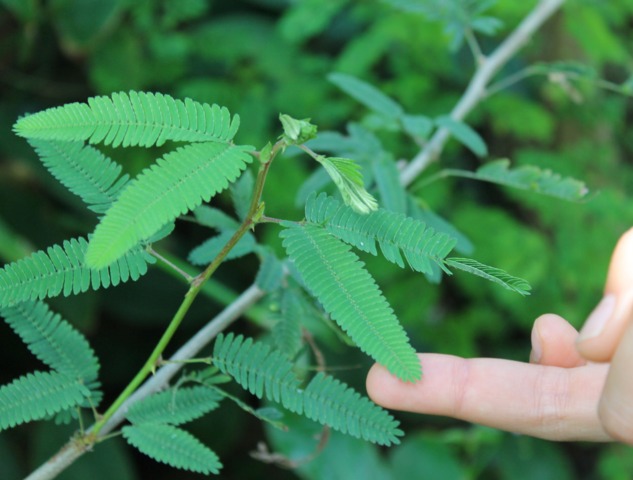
[(547, 402)]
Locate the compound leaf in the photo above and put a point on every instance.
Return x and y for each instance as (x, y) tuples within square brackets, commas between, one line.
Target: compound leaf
[(172, 446), (257, 368), (55, 342), (83, 170), (331, 402), (338, 279), (38, 395), (131, 119), (394, 232), (367, 94), (177, 183), (493, 274), (62, 270)]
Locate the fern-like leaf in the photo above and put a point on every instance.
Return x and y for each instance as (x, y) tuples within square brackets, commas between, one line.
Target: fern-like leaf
[(62, 270), (287, 331), (338, 279), (493, 274), (330, 402), (257, 368), (174, 406), (38, 395), (394, 232), (172, 446), (55, 342), (83, 170), (130, 119), (177, 183)]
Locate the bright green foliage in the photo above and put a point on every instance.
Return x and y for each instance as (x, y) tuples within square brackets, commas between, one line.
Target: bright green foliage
[(394, 232), (264, 372), (174, 406), (387, 177), (270, 272), (493, 274), (337, 277), (62, 270), (38, 395), (208, 250), (297, 131), (172, 446), (326, 400), (137, 118), (533, 179), (83, 170), (331, 402), (177, 183), (56, 343)]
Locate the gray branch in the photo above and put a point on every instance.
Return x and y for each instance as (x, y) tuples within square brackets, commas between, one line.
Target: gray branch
[(476, 89)]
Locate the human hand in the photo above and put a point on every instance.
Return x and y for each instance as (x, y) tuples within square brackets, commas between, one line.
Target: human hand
[(559, 395)]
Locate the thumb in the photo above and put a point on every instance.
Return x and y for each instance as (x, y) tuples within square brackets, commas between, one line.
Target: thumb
[(605, 326)]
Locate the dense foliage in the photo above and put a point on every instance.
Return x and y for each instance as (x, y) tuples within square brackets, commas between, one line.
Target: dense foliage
[(377, 78)]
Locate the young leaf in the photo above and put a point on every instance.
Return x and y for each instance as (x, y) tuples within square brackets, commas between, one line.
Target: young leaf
[(177, 183), (338, 279), (83, 170), (270, 272), (346, 175), (331, 402), (296, 131), (55, 342), (242, 192), (394, 232), (260, 370), (208, 250), (174, 406), (493, 274), (38, 395), (62, 270), (533, 179), (287, 331), (172, 446), (465, 134), (137, 118), (367, 94)]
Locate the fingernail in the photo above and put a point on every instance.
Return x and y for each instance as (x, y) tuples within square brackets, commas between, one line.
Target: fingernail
[(537, 349), (598, 318)]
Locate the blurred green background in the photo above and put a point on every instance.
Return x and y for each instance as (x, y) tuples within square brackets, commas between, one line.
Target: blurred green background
[(262, 57)]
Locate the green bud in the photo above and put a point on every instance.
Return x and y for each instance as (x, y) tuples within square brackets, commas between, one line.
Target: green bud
[(264, 154), (296, 131)]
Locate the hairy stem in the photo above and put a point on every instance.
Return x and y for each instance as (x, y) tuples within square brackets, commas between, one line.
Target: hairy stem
[(476, 89)]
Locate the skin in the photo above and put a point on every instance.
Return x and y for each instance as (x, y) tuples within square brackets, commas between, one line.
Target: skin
[(576, 386)]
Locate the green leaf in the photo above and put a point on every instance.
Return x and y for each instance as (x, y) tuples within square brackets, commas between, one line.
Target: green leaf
[(174, 406), (270, 272), (367, 94), (297, 131), (287, 333), (55, 342), (172, 446), (346, 175), (465, 134), (177, 183), (395, 233), (493, 274), (137, 118), (37, 396), (260, 370), (208, 250), (338, 279), (242, 192), (62, 270), (83, 170), (331, 402), (533, 179), (214, 218)]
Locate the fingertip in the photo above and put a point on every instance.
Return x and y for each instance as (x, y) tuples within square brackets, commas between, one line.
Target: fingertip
[(553, 342)]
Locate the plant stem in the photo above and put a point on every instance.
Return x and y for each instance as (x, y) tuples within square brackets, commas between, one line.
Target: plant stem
[(476, 89)]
